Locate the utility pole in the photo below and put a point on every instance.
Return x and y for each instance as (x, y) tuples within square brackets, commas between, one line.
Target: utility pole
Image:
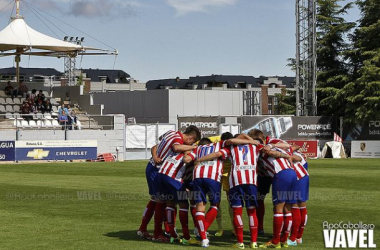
[(306, 58)]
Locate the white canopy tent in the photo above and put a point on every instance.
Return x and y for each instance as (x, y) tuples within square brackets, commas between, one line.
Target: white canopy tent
[(333, 149), (19, 39)]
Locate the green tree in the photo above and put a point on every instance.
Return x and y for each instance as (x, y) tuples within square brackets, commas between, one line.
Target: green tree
[(363, 92), (332, 69), (286, 103)]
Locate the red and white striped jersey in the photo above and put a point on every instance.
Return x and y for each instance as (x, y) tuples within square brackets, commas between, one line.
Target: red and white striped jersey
[(208, 169), (299, 168), (174, 167), (274, 165), (165, 146), (243, 163)]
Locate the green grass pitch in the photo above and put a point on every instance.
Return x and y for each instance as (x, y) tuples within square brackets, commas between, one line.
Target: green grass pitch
[(99, 205)]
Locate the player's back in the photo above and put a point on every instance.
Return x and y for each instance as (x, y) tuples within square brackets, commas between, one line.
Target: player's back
[(243, 164), (169, 139), (208, 169)]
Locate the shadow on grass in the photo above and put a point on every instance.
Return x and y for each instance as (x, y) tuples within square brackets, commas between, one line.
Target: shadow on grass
[(222, 241)]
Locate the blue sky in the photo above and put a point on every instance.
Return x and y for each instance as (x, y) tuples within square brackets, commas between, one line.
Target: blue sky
[(168, 38)]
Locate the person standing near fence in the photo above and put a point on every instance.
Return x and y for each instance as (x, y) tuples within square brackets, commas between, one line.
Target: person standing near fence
[(171, 142)]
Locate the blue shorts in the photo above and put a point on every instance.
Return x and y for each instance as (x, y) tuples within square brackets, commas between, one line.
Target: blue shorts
[(284, 187), (169, 189), (207, 187), (303, 188), (263, 186), (306, 166), (246, 193), (151, 173)]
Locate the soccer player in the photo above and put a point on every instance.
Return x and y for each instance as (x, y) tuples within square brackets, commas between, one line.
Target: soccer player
[(284, 183), (207, 177), (299, 211), (171, 142)]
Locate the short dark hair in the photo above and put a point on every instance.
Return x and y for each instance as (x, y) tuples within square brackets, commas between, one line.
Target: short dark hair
[(204, 141), (226, 136), (194, 131), (257, 134)]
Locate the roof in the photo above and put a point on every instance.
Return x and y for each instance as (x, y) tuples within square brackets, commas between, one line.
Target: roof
[(30, 71), (213, 80), (112, 75), (18, 35)]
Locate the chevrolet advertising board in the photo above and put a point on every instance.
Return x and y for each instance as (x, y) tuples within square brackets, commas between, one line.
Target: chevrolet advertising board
[(56, 150)]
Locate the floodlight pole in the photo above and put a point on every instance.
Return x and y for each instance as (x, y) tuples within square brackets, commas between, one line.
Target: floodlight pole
[(17, 8)]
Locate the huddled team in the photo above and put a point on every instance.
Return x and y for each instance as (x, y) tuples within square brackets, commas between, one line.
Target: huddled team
[(246, 165)]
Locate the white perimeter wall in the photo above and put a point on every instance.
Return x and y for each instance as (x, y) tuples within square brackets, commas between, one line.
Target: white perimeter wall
[(204, 103), (108, 140)]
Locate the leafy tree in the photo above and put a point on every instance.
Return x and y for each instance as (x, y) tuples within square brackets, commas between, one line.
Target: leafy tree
[(333, 71), (363, 92), (286, 102)]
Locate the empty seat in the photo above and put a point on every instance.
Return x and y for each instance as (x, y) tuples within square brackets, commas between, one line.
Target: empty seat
[(39, 115), (46, 94), (9, 115), (2, 100), (9, 100), (16, 115), (48, 116), (17, 123), (16, 108), (47, 123), (16, 100), (53, 101), (39, 123), (9, 108), (2, 108), (32, 124), (55, 109), (24, 123), (2, 93), (55, 123)]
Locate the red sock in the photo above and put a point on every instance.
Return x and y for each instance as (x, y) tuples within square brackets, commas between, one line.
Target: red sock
[(170, 215), (147, 215), (260, 211), (193, 210), (200, 217), (287, 226), (210, 216), (303, 212), (252, 223), (296, 215), (278, 221), (238, 223), (159, 214), (184, 219)]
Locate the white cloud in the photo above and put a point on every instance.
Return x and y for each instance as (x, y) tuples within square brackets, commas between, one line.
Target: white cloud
[(186, 6)]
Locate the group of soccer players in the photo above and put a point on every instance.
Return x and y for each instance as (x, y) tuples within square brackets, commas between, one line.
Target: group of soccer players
[(189, 175)]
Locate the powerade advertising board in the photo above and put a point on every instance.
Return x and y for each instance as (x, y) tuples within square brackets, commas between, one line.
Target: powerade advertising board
[(7, 150), (56, 150), (292, 127)]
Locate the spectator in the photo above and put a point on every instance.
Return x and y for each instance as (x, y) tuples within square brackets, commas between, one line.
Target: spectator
[(26, 110), (21, 90), (63, 120), (63, 108), (46, 106), (33, 95), (9, 89)]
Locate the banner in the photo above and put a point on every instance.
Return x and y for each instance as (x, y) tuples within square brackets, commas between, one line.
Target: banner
[(292, 127), (308, 148), (365, 149), (7, 150), (137, 135), (56, 150), (367, 131), (209, 126)]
